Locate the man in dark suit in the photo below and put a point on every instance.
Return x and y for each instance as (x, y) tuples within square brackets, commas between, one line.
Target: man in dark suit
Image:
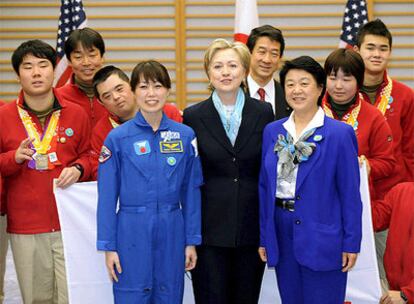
[(266, 44)]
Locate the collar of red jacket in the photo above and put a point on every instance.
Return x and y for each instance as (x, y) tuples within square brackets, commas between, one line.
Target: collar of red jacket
[(61, 101)]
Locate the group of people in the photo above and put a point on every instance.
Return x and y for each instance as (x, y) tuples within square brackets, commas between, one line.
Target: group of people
[(260, 172)]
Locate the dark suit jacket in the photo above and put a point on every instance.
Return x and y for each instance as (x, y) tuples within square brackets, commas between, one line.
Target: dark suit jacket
[(282, 108), (230, 200)]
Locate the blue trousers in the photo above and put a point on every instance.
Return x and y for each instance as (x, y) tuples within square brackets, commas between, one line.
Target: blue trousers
[(299, 284)]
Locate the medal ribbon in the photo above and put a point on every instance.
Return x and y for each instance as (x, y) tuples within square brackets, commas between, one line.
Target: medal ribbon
[(41, 143), (349, 118), (385, 96), (113, 123)]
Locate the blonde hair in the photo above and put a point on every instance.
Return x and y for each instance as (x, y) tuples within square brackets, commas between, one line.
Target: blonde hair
[(223, 44)]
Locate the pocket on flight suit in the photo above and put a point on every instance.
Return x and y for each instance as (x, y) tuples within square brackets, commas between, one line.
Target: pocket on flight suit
[(134, 249)]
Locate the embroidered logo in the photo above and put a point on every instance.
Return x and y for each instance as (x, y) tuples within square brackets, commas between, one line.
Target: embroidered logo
[(105, 154), (170, 135), (171, 147), (142, 147)]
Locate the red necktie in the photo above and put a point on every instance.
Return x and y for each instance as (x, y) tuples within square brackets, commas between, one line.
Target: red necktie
[(262, 94)]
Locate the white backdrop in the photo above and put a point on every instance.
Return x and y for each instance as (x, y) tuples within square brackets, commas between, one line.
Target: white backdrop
[(89, 283)]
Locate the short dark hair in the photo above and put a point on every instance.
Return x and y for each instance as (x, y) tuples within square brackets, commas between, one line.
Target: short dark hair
[(87, 37), (150, 70), (269, 31), (37, 48), (376, 28), (349, 61), (307, 64), (104, 73)]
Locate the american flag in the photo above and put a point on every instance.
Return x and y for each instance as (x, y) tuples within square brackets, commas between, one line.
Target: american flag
[(72, 17), (356, 15)]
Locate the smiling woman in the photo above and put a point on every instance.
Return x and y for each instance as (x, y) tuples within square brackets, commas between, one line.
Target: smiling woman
[(151, 84), (151, 164), (310, 205), (229, 129)]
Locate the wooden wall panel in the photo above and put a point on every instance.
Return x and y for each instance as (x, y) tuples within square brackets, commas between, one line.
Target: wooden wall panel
[(177, 32)]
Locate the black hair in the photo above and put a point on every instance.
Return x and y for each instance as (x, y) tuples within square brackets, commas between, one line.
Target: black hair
[(307, 64), (86, 37), (376, 28), (269, 31), (104, 73), (150, 70), (349, 61), (37, 48)]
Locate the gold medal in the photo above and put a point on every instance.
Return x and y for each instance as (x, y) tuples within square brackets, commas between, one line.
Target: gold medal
[(41, 161)]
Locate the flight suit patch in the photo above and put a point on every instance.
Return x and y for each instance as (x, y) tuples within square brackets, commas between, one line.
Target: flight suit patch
[(170, 135), (105, 154), (142, 147), (175, 146)]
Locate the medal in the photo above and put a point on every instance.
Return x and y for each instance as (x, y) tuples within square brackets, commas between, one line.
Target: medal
[(43, 142), (114, 124), (350, 118), (41, 161), (385, 99)]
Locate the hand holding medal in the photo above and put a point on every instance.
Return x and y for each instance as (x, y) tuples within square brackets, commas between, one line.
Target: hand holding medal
[(24, 152)]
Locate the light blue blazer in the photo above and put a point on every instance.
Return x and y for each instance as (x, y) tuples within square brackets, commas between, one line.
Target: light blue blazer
[(328, 207)]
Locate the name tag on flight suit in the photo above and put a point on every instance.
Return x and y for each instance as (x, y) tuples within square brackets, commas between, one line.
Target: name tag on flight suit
[(174, 146)]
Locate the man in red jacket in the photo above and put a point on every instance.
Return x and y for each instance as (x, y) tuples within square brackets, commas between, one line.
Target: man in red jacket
[(84, 49), (396, 102), (396, 212), (394, 99), (42, 137), (112, 88)]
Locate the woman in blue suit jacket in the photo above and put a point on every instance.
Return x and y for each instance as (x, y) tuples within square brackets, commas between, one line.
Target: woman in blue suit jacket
[(310, 205)]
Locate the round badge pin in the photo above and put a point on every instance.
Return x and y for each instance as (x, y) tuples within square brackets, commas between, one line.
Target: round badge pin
[(317, 137), (69, 132), (171, 161), (62, 140)]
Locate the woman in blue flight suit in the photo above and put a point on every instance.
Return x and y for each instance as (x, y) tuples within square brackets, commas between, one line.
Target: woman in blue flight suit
[(151, 165)]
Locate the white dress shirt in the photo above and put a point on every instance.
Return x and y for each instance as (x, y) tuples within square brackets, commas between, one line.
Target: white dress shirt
[(269, 89), (284, 188)]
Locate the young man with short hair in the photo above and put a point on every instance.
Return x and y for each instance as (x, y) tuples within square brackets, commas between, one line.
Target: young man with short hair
[(266, 45), (394, 99), (112, 89), (396, 102), (42, 137), (84, 49)]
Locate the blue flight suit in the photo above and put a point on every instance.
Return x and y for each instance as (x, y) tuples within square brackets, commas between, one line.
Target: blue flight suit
[(157, 177)]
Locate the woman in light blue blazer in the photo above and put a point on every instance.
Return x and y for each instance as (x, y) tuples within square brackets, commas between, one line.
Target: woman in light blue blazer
[(310, 205)]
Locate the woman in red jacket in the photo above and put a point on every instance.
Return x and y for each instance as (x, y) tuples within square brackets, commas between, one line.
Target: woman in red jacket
[(342, 101)]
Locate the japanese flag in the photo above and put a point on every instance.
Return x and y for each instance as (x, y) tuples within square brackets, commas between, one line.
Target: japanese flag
[(246, 19)]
